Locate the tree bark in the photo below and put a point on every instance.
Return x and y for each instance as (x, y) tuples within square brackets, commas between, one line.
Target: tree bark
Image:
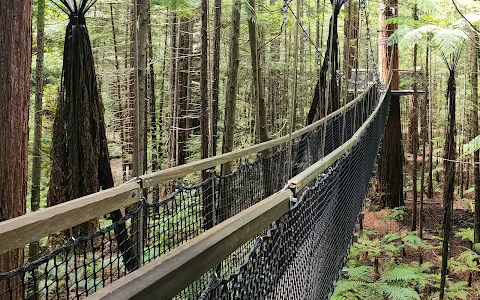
[(449, 156), (231, 94), (476, 154), (262, 134), (153, 106), (390, 163), (140, 124), (207, 191), (33, 249), (216, 76), (414, 133), (15, 63), (424, 132), (350, 48), (430, 129)]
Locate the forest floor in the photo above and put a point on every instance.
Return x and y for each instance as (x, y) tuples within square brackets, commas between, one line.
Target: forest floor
[(381, 224)]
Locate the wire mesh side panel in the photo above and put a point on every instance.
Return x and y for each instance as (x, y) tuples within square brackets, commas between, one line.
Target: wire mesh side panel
[(302, 253), (79, 268)]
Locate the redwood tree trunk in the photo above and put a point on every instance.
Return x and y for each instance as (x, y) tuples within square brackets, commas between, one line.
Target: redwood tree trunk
[(15, 63)]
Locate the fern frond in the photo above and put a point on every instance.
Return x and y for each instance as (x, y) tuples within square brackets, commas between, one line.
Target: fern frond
[(449, 41), (394, 292), (347, 285), (465, 234), (401, 273), (362, 273)]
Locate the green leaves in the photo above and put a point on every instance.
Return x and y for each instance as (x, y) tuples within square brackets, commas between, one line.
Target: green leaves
[(397, 292), (402, 274)]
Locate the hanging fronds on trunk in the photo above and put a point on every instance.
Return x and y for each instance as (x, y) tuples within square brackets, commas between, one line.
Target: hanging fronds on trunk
[(81, 164)]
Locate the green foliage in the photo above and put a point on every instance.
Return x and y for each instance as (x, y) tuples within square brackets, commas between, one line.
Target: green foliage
[(465, 234), (467, 261), (396, 213), (402, 274)]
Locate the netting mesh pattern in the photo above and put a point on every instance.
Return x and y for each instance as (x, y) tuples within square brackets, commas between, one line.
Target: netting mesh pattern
[(87, 264), (76, 270), (302, 253)]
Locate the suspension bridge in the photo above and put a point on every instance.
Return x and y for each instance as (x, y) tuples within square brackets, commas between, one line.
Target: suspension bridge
[(282, 238), (278, 227)]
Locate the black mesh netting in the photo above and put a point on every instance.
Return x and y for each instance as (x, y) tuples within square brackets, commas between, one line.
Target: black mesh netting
[(301, 254), (289, 261)]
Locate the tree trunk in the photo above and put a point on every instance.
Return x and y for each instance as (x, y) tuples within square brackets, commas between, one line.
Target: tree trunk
[(207, 192), (173, 124), (350, 48), (449, 166), (411, 124), (424, 132), (15, 62), (476, 154), (390, 163), (153, 106), (162, 95), (33, 249), (183, 82), (231, 93), (140, 128), (430, 129), (414, 133), (261, 115), (216, 76)]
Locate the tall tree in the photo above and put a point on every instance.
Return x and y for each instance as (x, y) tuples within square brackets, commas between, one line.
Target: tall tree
[(424, 133), (476, 154), (390, 163), (351, 24), (33, 249), (449, 156), (204, 128), (232, 85), (153, 104), (140, 57), (414, 119), (15, 62), (260, 109), (216, 76)]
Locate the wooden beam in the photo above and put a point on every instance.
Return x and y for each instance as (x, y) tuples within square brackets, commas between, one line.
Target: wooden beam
[(168, 275), (16, 233)]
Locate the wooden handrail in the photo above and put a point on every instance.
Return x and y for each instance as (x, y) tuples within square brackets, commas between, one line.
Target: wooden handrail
[(161, 176), (171, 273), (168, 275), (16, 233)]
